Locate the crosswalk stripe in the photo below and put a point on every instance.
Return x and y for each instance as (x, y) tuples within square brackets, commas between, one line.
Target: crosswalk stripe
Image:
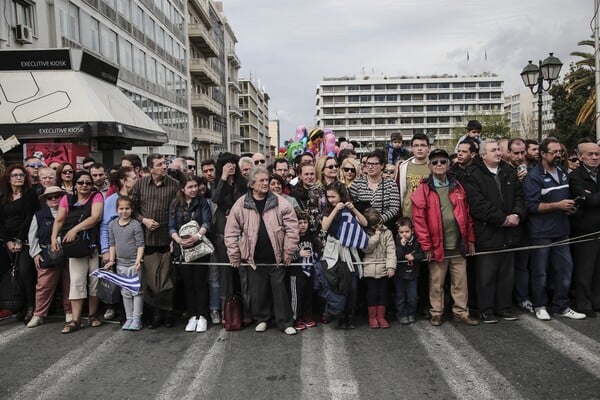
[(178, 384), (52, 382), (342, 384), (11, 334), (577, 347), (312, 373), (468, 374)]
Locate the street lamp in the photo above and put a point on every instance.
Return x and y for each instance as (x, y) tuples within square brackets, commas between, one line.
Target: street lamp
[(195, 148), (550, 69)]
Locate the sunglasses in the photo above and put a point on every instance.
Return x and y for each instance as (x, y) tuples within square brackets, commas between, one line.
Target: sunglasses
[(256, 162), (191, 167), (388, 171), (68, 171), (573, 159), (53, 197), (38, 165), (82, 183), (19, 176), (436, 162), (331, 166), (349, 170)]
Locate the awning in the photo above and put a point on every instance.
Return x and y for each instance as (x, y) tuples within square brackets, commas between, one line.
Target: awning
[(67, 104)]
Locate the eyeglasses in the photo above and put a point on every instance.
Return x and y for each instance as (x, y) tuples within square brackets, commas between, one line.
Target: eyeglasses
[(256, 162), (67, 171), (574, 159), (331, 166), (372, 164), (82, 183), (38, 165), (555, 152), (388, 171), (53, 197), (349, 170), (18, 176), (443, 161)]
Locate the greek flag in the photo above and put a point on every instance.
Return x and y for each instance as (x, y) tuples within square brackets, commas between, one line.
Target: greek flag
[(350, 233), (131, 283)]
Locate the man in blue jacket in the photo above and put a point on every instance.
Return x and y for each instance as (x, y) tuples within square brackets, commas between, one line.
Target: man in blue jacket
[(548, 203)]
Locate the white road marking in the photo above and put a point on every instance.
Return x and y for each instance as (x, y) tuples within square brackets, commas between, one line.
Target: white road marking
[(11, 334), (570, 343), (468, 374), (337, 364), (312, 371)]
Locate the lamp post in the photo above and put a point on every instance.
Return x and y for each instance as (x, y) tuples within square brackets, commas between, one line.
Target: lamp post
[(195, 148), (534, 76)]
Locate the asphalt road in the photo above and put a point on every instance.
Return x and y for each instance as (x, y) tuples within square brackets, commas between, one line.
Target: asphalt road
[(526, 359)]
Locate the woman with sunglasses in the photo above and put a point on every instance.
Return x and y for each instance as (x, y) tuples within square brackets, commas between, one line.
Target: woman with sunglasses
[(64, 177), (48, 275), (78, 213), (389, 171), (349, 171), (18, 203), (327, 170)]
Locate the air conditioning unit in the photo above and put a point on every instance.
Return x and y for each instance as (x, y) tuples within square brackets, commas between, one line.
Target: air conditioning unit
[(24, 34)]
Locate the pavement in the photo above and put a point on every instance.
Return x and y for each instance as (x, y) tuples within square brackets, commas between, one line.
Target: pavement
[(525, 359)]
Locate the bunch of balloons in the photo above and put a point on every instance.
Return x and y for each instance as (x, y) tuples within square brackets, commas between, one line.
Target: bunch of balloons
[(318, 141)]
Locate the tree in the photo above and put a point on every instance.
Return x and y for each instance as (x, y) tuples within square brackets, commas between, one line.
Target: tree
[(581, 78), (495, 126)]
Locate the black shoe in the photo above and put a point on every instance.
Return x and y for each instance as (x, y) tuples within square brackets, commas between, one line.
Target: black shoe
[(341, 323), (169, 320), (488, 318), (507, 316), (350, 323), (404, 320), (157, 321), (589, 313)]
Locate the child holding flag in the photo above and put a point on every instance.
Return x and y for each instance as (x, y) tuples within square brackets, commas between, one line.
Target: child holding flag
[(126, 239)]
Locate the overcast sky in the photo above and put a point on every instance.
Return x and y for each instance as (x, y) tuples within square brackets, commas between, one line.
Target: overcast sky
[(290, 45)]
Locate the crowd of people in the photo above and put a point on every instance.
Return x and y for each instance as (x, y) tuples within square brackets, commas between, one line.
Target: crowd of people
[(466, 235)]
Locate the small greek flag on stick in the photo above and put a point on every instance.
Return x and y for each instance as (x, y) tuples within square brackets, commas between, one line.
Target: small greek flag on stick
[(350, 233), (131, 283)]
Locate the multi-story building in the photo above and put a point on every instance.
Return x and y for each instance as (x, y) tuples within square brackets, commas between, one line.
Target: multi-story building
[(518, 111), (233, 140), (254, 126), (275, 133), (547, 113), (368, 109)]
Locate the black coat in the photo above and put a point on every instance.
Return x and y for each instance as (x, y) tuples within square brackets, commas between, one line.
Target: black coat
[(489, 206), (587, 217)]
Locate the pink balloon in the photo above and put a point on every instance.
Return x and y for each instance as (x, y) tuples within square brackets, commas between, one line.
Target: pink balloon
[(300, 132)]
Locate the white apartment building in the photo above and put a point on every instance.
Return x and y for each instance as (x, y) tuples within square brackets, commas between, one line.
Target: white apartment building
[(547, 113), (518, 110), (254, 126), (368, 109)]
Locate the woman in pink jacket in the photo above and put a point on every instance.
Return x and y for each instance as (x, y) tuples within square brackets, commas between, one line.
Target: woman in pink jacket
[(262, 228)]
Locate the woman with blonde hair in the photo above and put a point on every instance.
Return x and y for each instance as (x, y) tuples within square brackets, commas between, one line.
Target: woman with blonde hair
[(349, 171), (326, 169)]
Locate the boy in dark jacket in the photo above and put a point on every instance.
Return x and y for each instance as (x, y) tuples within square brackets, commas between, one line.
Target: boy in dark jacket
[(409, 255), (300, 278)]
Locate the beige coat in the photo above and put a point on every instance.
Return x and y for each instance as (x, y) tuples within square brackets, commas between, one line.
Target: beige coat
[(243, 222), (380, 255)]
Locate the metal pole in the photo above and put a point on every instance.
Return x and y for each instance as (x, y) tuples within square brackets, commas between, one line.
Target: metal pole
[(540, 92), (597, 65)]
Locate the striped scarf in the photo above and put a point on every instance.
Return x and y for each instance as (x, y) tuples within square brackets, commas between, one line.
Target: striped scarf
[(131, 283)]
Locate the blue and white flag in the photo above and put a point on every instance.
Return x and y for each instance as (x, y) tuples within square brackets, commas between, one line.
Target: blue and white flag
[(131, 283), (350, 233)]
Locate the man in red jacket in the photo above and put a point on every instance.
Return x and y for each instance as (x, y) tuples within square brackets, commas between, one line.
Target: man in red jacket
[(444, 229)]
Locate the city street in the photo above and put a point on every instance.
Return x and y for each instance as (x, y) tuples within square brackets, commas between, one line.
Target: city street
[(527, 359)]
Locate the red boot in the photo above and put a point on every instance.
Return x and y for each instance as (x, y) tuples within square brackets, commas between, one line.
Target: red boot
[(381, 317), (373, 317)]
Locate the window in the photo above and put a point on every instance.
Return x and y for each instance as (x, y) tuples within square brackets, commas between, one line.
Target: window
[(470, 96), (365, 98), (405, 109), (484, 95), (484, 84), (365, 87), (458, 96), (149, 26), (151, 69), (432, 96), (25, 13), (444, 96), (431, 86), (352, 87), (365, 110), (379, 87), (139, 62), (123, 8), (353, 99), (90, 35), (160, 37), (391, 97), (69, 22), (470, 84), (126, 54), (379, 97), (405, 97), (161, 75), (108, 43), (405, 86), (138, 17)]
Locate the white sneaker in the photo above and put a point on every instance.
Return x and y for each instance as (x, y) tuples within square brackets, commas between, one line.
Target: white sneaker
[(68, 317), (527, 306), (569, 313), (191, 325), (109, 313), (261, 327), (35, 321), (542, 314), (290, 330), (202, 324)]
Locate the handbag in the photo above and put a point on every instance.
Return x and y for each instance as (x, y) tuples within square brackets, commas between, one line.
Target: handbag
[(52, 258), (203, 248), (11, 293), (78, 248), (108, 292)]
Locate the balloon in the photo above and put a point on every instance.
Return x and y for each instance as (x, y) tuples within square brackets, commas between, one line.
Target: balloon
[(294, 150), (286, 143), (336, 150), (329, 140), (300, 132), (346, 145)]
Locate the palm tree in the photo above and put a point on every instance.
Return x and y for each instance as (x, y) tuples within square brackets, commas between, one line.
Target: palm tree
[(582, 77)]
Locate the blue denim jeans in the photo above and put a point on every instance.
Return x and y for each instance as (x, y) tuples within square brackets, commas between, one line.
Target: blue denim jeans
[(559, 258), (214, 298), (406, 296), (521, 292)]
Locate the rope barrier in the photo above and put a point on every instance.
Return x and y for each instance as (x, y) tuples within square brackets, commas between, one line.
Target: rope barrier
[(573, 240)]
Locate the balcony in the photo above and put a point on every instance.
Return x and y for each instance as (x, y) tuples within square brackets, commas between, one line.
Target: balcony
[(200, 37), (235, 110), (205, 135), (234, 84), (202, 71), (234, 59), (201, 8), (205, 104)]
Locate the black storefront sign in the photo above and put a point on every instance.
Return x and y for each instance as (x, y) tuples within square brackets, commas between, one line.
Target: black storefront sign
[(28, 60), (98, 68)]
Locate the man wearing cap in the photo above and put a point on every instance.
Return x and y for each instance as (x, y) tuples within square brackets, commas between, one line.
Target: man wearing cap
[(444, 228)]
